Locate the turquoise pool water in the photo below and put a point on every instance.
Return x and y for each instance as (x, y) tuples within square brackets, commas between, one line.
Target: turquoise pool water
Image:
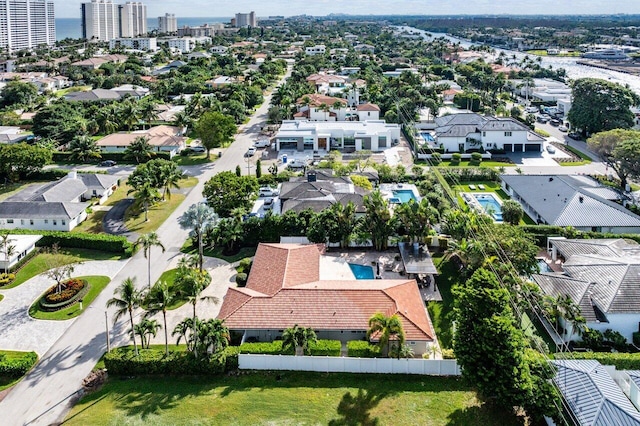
[(543, 266), (404, 195), (427, 137), (490, 205), (362, 272)]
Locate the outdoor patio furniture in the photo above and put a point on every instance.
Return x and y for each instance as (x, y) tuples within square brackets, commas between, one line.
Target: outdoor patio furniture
[(481, 187), (472, 187)]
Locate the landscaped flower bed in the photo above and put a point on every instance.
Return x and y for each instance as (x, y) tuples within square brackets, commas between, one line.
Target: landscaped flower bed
[(6, 279), (73, 289)]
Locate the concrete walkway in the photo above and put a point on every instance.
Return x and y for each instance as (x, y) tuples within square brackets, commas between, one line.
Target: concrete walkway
[(19, 331)]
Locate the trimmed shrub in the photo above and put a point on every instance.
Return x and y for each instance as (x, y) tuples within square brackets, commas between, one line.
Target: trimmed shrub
[(245, 265), (265, 348), (102, 242), (455, 158), (6, 278), (622, 361), (326, 348), (123, 362), (241, 279), (448, 354), (436, 158), (362, 349), (17, 367), (63, 157)]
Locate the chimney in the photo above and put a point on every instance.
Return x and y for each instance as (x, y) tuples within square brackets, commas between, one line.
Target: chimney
[(311, 177), (73, 174)]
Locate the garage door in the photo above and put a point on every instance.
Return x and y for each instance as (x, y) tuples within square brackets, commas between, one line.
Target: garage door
[(508, 147), (517, 147), (532, 147)]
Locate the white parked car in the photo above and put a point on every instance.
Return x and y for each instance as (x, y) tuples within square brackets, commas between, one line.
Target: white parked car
[(250, 152), (551, 149), (563, 128), (265, 191), (296, 164), (531, 110)]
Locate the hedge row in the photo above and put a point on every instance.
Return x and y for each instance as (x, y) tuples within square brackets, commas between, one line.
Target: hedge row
[(124, 362), (362, 349), (320, 348), (622, 361), (63, 157), (17, 367), (83, 240)]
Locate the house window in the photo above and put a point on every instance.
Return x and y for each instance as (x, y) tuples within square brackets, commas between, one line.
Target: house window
[(507, 134), (30, 221), (484, 134), (55, 222), (64, 222), (46, 221), (412, 343), (21, 221), (9, 220)]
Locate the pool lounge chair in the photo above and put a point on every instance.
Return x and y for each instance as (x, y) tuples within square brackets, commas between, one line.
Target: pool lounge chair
[(481, 187), (472, 187)]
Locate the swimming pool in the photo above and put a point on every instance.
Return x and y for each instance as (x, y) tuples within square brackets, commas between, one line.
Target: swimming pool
[(543, 266), (427, 137), (362, 272), (490, 205), (404, 195)]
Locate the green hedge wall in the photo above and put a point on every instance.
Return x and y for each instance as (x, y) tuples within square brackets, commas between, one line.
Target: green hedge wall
[(123, 362), (102, 242), (63, 157), (320, 348), (362, 349), (17, 367), (622, 361)]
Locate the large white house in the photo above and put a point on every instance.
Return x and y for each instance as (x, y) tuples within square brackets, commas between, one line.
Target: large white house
[(371, 135), (318, 107), (461, 132), (161, 138), (602, 276)]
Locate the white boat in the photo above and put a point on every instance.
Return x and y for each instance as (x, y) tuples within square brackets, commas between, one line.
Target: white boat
[(610, 54)]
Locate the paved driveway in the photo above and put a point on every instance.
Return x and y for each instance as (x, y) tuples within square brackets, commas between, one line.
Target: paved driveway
[(113, 221), (19, 331)]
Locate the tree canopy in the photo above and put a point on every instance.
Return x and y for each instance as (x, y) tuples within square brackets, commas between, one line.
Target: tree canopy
[(600, 105), (226, 192), (18, 94), (215, 129), (620, 150)]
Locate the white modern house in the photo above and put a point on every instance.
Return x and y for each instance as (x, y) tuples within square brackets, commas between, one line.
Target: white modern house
[(318, 49), (349, 136), (577, 201), (138, 43), (461, 132), (318, 107), (602, 276), (21, 245)]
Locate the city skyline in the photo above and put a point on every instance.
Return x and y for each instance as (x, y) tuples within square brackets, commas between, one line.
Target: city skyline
[(71, 9)]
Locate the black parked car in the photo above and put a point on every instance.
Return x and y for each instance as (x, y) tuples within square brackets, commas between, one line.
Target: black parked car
[(575, 136), (107, 163)]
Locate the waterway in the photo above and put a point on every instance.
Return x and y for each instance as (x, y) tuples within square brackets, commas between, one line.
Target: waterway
[(574, 70)]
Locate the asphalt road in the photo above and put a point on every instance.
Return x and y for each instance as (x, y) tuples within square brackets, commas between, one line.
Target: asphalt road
[(45, 395)]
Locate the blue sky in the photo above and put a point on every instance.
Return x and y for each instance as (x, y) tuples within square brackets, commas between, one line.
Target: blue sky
[(219, 8)]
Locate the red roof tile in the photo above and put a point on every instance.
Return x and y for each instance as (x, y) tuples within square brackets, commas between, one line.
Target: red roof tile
[(368, 107), (317, 99)]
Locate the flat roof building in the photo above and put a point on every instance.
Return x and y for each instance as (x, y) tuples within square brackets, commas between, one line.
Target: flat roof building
[(26, 24)]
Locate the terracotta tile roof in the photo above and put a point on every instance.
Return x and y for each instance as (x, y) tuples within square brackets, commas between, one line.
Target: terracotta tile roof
[(368, 107), (284, 289), (283, 265), (317, 99)]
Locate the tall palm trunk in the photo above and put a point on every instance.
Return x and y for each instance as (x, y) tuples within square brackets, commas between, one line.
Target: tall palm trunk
[(166, 332), (146, 211), (133, 332), (195, 331)]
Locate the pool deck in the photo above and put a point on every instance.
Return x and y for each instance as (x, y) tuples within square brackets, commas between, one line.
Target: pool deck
[(334, 265), (387, 190), (470, 199), (555, 265)]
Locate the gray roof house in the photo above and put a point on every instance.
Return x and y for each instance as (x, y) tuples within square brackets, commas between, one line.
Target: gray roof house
[(577, 201), (55, 206), (94, 95), (602, 276), (320, 190), (460, 132), (592, 395)]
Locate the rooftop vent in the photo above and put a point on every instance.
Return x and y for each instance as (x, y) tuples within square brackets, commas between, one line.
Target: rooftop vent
[(581, 199)]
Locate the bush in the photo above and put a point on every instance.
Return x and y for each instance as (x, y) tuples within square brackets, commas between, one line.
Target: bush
[(6, 279), (241, 279), (123, 362), (325, 348), (436, 158), (17, 367), (83, 240), (245, 265), (362, 349), (64, 157), (265, 348), (455, 158), (69, 289), (448, 354), (622, 361)]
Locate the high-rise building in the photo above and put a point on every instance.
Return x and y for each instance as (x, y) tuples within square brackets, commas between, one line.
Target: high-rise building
[(100, 20), (244, 20), (26, 24), (133, 19), (167, 23), (103, 20)]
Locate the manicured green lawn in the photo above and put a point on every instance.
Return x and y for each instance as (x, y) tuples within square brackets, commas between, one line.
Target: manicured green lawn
[(574, 163), (1, 297), (38, 264), (170, 276), (441, 313), (134, 216), (97, 283), (488, 187), (191, 160), (7, 382), (287, 398)]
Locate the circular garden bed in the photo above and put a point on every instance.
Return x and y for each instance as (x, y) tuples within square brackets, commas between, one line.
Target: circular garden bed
[(72, 291)]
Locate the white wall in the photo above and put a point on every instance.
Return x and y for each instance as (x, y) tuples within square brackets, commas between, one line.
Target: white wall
[(447, 367), (625, 324)]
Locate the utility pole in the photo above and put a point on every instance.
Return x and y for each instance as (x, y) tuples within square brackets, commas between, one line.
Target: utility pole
[(106, 323)]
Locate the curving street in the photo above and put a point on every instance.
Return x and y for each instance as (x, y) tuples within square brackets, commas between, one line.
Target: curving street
[(44, 396)]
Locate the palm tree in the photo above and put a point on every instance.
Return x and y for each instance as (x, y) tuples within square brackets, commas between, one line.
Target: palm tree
[(126, 300), (191, 282), (147, 196), (170, 176), (83, 147), (383, 328), (198, 218), (139, 149), (148, 111), (299, 338), (146, 329), (147, 241), (129, 114), (214, 336), (185, 330), (8, 250), (158, 299)]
